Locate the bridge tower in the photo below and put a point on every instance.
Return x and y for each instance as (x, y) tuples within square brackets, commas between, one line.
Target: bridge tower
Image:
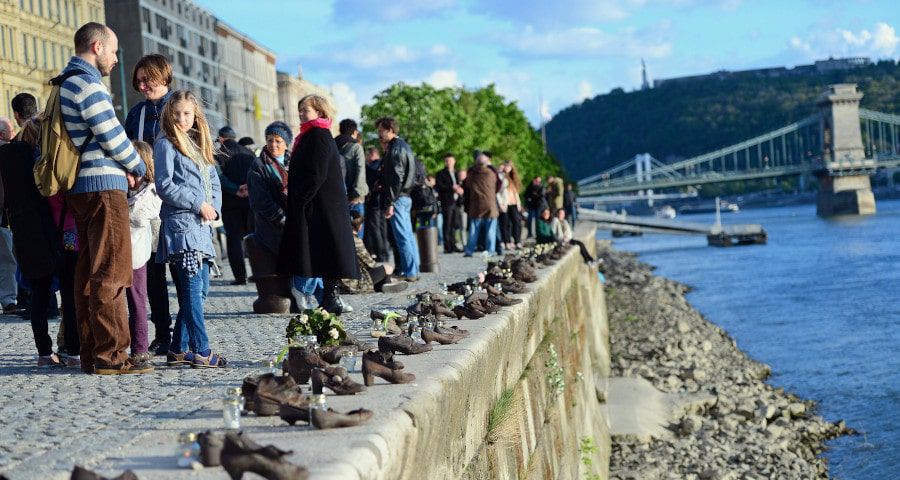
[(844, 184)]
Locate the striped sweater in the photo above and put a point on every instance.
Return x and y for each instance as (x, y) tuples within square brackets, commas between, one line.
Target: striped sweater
[(86, 106)]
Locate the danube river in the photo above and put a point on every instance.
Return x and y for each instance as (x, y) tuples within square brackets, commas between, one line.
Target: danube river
[(820, 304)]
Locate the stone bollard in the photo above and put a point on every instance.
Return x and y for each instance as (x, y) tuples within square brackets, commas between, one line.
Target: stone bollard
[(272, 288), (426, 237)]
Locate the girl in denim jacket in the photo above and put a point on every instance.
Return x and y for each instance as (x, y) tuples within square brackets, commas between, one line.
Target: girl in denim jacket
[(187, 182)]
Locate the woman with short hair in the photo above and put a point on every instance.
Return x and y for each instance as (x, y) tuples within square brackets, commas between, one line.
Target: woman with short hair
[(317, 240)]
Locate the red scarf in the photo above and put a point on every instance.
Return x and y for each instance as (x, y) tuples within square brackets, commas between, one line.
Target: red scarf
[(317, 123)]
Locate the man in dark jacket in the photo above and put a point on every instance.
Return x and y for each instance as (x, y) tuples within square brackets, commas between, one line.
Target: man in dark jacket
[(354, 167), (376, 240), (569, 199), (397, 181), (534, 202), (449, 189), (481, 186), (233, 163)]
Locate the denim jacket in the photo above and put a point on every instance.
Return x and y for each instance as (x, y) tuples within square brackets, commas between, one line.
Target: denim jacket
[(180, 186)]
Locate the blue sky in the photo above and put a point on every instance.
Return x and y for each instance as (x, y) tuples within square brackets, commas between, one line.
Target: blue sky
[(562, 51)]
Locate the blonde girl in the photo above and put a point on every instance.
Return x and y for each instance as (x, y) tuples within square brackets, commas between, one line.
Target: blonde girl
[(187, 182)]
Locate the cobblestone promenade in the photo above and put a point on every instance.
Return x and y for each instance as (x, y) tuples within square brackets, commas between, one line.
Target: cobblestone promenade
[(53, 419)]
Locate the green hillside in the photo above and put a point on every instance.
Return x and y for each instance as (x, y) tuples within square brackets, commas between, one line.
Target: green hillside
[(677, 121)]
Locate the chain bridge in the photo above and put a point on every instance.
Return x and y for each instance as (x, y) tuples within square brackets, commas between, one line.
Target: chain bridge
[(842, 145)]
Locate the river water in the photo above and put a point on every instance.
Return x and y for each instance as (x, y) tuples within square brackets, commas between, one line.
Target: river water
[(819, 304)]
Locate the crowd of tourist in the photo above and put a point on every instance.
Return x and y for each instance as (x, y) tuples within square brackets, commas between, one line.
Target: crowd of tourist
[(153, 194)]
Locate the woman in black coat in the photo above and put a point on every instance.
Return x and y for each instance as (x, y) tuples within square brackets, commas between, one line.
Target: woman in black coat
[(317, 240)]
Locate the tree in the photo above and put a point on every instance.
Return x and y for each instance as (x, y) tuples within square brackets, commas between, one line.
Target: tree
[(459, 121)]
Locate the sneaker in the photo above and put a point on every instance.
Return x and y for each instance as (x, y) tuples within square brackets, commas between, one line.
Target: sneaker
[(302, 299), (73, 361), (409, 279), (161, 347), (130, 366), (10, 309), (175, 359), (345, 307), (47, 361)]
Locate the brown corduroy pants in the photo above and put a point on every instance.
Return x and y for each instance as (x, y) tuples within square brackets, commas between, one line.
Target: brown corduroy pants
[(102, 275)]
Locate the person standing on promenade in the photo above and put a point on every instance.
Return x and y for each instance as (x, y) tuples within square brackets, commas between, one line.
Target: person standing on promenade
[(535, 201), (354, 167), (233, 164), (189, 187), (481, 186), (569, 204), (8, 290), (397, 180), (513, 202), (98, 201), (46, 244), (449, 190), (376, 241), (317, 240), (152, 77)]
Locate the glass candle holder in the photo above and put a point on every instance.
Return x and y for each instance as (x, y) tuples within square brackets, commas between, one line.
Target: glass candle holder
[(348, 361), (377, 328), (413, 328), (232, 404), (188, 450), (317, 402), (311, 342)]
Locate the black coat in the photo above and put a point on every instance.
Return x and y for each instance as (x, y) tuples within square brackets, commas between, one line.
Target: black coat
[(234, 161), (317, 239), (444, 186), (267, 203), (36, 239)]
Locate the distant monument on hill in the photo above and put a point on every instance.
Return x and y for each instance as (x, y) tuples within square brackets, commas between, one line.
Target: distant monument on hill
[(819, 67)]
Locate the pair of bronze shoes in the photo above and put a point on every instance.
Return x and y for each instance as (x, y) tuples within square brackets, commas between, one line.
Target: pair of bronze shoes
[(401, 343), (297, 409), (382, 364)]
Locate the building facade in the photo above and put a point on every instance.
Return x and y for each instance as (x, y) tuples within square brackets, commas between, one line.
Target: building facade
[(290, 90), (36, 43), (182, 32), (249, 87)]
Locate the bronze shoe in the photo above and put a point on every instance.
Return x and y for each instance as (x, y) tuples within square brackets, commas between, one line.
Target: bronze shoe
[(323, 419), (384, 358), (301, 361), (81, 473), (270, 392), (372, 368), (403, 344), (467, 311), (336, 379), (439, 308), (242, 455), (431, 336), (504, 300), (454, 330), (294, 408), (361, 346)]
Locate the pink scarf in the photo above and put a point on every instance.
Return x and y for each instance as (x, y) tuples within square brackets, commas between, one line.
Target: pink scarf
[(317, 123)]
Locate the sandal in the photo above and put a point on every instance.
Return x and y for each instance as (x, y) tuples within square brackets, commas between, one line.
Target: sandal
[(175, 359), (214, 360)]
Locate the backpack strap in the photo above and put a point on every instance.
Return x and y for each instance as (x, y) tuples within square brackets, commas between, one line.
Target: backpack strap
[(58, 81)]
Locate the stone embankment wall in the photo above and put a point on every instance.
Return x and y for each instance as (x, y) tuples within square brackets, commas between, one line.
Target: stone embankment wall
[(520, 400)]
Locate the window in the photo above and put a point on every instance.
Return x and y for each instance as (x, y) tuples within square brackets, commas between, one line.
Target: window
[(25, 48), (202, 48), (45, 66), (182, 35), (183, 62), (40, 8), (75, 15), (58, 11), (34, 51), (145, 17), (163, 26)]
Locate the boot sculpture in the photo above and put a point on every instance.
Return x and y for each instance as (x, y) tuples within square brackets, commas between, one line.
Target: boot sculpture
[(270, 392), (431, 336), (294, 408), (211, 446), (454, 330), (81, 473), (301, 361)]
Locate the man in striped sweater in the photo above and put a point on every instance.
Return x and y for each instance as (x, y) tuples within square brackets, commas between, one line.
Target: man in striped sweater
[(109, 165)]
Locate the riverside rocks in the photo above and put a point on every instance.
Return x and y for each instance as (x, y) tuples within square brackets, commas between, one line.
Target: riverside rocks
[(750, 431)]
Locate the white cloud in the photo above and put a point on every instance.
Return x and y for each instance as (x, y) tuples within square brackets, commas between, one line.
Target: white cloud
[(881, 41), (439, 49), (443, 79), (354, 10), (585, 91), (588, 42), (545, 110), (345, 101)]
